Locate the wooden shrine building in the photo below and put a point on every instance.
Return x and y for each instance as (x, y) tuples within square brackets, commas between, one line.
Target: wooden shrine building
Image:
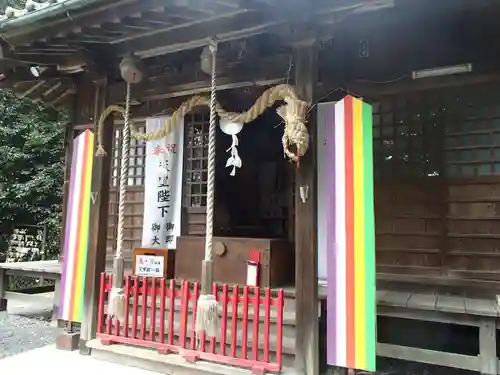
[(436, 145)]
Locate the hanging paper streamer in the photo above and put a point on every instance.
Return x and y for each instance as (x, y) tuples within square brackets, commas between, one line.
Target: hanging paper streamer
[(234, 160), (232, 128), (350, 235), (77, 229)]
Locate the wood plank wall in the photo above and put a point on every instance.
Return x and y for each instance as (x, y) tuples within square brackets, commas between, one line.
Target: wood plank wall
[(437, 198)]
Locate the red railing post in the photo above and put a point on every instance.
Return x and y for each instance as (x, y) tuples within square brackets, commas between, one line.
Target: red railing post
[(194, 300), (144, 307), (152, 324), (267, 323), (102, 293), (127, 307), (234, 320), (279, 331), (184, 313), (171, 312), (223, 333), (135, 307), (244, 333), (109, 322), (215, 292), (162, 310), (255, 336)]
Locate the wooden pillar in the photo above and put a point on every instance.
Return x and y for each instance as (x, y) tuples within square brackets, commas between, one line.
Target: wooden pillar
[(99, 208), (306, 273), (488, 346), (3, 287), (68, 147)]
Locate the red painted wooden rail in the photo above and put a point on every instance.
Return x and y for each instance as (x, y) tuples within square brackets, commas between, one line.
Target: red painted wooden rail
[(168, 337)]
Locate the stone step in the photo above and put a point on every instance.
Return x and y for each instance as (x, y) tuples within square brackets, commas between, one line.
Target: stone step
[(151, 360)]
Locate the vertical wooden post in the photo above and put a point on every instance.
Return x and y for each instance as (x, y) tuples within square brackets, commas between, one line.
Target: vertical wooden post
[(3, 286), (488, 346), (99, 208), (68, 147), (306, 273)]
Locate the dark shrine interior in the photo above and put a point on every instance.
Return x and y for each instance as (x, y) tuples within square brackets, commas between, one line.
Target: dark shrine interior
[(254, 203)]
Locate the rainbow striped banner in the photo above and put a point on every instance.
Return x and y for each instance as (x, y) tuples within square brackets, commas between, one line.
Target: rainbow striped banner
[(77, 229), (350, 236)]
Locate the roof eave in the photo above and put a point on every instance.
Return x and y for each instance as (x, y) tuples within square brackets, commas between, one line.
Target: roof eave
[(10, 24)]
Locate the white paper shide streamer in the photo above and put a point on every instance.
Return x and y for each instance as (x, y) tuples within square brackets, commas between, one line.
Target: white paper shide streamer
[(232, 129)]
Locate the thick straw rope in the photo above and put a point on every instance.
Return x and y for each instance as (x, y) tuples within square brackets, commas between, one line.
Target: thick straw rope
[(207, 311), (293, 113), (211, 159), (117, 296), (123, 174)]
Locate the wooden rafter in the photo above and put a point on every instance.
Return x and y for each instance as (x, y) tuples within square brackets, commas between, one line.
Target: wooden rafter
[(111, 10), (193, 35), (272, 68)]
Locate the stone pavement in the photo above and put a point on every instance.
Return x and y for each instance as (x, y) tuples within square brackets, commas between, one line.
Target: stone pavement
[(50, 361)]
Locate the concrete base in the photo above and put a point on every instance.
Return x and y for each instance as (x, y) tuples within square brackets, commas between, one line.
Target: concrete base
[(68, 341), (84, 349), (3, 304)]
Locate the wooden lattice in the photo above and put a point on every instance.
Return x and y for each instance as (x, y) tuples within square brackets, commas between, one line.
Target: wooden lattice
[(196, 160)]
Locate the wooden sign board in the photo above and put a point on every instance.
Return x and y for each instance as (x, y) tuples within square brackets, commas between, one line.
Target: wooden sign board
[(152, 262)]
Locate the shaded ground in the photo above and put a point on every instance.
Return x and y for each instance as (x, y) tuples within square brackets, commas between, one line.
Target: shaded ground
[(19, 334), (27, 325)]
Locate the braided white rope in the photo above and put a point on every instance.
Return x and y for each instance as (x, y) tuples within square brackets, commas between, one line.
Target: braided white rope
[(211, 157), (123, 174)]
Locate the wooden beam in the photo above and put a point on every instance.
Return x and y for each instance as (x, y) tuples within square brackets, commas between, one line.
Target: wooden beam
[(306, 273), (432, 357), (273, 68), (231, 26), (110, 10), (238, 24), (101, 171)]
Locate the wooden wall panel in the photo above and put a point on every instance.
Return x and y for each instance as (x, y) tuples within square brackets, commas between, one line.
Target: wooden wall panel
[(437, 160), (473, 238), (407, 228)]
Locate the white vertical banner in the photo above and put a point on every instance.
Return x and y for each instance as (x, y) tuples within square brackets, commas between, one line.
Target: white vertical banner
[(163, 186)]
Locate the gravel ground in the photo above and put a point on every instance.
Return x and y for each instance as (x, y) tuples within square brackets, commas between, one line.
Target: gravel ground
[(19, 334)]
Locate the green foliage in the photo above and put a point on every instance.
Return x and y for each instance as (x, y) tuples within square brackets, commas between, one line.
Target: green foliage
[(31, 167), (19, 4)]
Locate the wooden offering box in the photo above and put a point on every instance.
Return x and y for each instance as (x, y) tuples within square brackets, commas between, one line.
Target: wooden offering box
[(147, 255), (231, 255)]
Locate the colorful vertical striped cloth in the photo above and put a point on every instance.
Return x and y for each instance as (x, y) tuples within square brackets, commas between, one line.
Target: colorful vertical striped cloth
[(77, 229), (350, 235)]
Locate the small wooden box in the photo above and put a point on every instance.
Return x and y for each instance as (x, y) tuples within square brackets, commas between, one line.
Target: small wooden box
[(168, 259), (277, 260)]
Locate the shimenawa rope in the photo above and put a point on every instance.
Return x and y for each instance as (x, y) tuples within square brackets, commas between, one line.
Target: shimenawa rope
[(293, 113)]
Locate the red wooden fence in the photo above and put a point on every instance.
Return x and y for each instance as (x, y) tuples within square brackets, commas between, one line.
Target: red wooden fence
[(170, 336)]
